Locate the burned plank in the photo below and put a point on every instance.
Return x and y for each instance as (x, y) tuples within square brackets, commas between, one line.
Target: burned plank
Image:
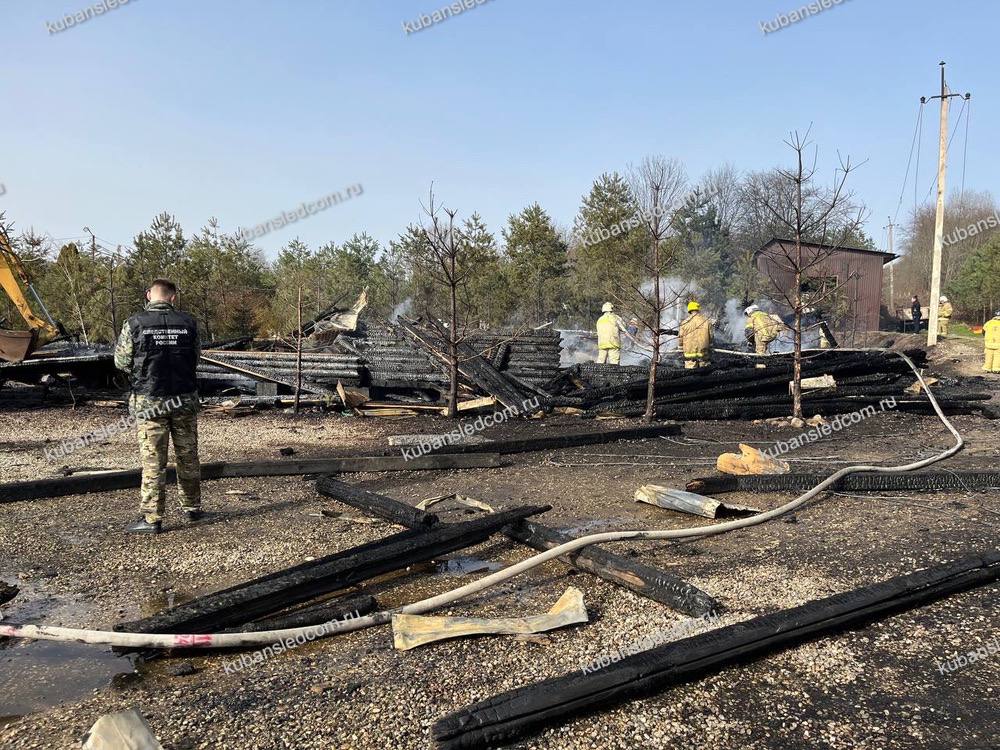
[(121, 480), (642, 579), (572, 440), (923, 481), (258, 374), (316, 614), (516, 713), (285, 588), (376, 505)]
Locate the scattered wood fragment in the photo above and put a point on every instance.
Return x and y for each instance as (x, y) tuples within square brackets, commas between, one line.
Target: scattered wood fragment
[(410, 631), (751, 461), (523, 711)]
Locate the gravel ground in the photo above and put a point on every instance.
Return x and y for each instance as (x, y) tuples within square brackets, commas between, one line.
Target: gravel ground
[(878, 687)]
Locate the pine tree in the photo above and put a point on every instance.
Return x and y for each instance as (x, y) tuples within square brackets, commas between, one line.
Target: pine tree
[(609, 240), (538, 261)]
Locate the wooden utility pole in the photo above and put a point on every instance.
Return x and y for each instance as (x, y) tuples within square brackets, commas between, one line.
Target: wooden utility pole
[(932, 323), (892, 273)]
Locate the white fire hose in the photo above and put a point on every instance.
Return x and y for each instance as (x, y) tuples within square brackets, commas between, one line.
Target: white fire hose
[(262, 638)]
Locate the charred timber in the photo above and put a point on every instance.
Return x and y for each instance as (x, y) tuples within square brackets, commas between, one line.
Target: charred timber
[(285, 588), (927, 481), (642, 579), (120, 480)]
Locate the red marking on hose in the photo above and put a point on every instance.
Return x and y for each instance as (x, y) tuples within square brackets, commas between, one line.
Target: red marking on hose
[(197, 639)]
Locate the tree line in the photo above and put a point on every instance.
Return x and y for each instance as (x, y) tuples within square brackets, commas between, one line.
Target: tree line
[(529, 272)]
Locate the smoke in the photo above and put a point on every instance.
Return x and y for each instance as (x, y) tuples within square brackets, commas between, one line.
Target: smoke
[(577, 347), (403, 308)]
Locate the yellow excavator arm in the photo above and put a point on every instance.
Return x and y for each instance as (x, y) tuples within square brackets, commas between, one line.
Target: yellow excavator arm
[(18, 345)]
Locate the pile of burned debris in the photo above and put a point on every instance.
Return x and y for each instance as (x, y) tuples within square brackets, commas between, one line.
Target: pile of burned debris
[(834, 381)]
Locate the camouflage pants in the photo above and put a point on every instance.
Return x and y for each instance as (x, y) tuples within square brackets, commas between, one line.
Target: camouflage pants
[(154, 437)]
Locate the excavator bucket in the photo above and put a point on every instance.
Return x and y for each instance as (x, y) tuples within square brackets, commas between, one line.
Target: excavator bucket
[(16, 346)]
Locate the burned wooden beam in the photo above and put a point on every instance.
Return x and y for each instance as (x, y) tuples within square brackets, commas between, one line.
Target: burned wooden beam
[(572, 440), (506, 717), (36, 489), (923, 481), (374, 504), (316, 614), (285, 588), (642, 579)]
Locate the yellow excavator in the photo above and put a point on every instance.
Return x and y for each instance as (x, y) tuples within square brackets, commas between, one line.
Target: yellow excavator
[(16, 346)]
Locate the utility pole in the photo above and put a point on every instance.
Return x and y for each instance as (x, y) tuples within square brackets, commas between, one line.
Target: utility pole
[(892, 273), (944, 96)]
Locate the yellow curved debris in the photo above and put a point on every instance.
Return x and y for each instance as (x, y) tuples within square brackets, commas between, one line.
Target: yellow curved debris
[(410, 631)]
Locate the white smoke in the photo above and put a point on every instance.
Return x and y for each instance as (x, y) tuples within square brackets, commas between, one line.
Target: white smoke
[(403, 308)]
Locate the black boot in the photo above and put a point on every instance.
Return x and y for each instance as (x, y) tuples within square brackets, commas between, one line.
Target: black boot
[(142, 526), (193, 514)]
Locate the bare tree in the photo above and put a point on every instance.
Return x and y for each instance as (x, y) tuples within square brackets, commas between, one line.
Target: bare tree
[(818, 221), (443, 260), (657, 185)]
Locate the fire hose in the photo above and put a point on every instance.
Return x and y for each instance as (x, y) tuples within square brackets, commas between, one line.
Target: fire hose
[(262, 638)]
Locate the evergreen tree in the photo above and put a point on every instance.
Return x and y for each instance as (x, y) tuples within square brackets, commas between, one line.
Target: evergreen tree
[(538, 262), (609, 242)]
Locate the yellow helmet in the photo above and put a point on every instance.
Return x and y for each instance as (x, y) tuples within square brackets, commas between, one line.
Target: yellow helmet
[(607, 307), (692, 306)]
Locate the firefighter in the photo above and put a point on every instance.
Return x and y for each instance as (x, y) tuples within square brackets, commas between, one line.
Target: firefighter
[(944, 316), (694, 337), (159, 348), (763, 328), (609, 340), (991, 347)]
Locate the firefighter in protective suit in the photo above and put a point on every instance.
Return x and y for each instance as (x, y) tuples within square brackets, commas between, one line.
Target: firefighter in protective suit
[(609, 340), (991, 347), (694, 337), (762, 327), (944, 316), (159, 348)]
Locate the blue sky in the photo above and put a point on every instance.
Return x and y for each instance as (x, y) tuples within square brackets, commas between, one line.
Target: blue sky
[(241, 109)]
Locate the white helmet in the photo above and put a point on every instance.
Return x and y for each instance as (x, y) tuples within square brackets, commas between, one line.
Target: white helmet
[(751, 310), (943, 298), (607, 307)]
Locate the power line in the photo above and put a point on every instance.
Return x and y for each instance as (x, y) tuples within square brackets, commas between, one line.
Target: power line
[(952, 138), (909, 159), (965, 152)]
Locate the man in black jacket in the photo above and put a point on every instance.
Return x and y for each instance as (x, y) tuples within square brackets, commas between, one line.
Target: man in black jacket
[(159, 348)]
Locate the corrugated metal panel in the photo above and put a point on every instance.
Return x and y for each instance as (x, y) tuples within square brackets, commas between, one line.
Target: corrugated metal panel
[(862, 272)]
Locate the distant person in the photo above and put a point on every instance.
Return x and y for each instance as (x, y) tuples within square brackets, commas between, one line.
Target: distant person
[(916, 313), (991, 347), (944, 316), (609, 340), (694, 337), (159, 348)]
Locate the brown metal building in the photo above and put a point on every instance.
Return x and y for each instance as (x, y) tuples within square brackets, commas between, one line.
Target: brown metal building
[(855, 273)]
